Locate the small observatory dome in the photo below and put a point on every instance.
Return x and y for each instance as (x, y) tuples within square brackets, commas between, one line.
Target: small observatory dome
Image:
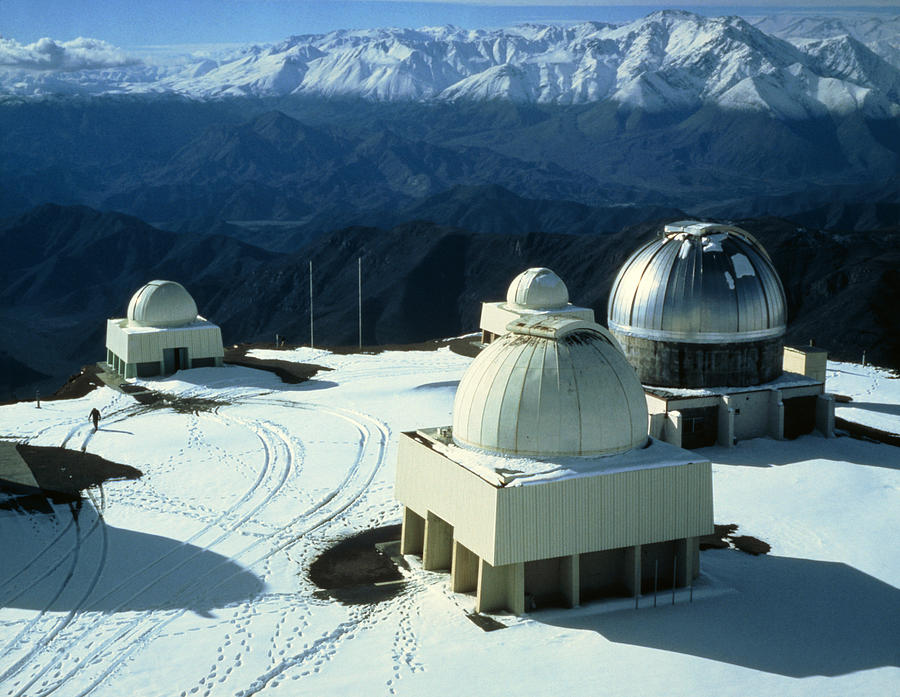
[(700, 306), (537, 288), (552, 386), (161, 304)]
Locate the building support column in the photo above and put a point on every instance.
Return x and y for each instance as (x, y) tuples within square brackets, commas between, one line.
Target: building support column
[(633, 570), (657, 425), (501, 588), (570, 579), (438, 551), (726, 424), (684, 553), (674, 425), (825, 415), (776, 415), (412, 536), (463, 569)]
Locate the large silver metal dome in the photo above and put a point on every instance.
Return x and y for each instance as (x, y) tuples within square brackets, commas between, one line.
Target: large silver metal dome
[(700, 305), (552, 386), (699, 282)]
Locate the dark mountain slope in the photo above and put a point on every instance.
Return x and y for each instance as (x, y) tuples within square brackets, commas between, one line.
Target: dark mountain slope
[(277, 167), (69, 268), (420, 281)]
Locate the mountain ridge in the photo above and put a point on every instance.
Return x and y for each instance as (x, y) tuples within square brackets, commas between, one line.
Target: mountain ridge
[(670, 59)]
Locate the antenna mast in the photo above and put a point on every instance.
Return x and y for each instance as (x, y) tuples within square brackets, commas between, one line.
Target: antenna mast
[(312, 343)]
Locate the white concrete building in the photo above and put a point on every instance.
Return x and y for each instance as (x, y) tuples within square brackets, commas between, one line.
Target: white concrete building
[(161, 334), (534, 292), (546, 489)]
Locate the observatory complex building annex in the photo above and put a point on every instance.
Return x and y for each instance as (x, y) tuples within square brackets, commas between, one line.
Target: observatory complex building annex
[(161, 334), (547, 487), (701, 314)]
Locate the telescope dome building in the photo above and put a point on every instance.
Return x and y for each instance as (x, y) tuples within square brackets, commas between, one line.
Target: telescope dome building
[(700, 312), (700, 306), (537, 291), (161, 334), (547, 486)]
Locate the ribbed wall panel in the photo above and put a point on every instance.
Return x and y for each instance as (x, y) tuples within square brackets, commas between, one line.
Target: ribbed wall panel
[(428, 481), (608, 511), (533, 394)]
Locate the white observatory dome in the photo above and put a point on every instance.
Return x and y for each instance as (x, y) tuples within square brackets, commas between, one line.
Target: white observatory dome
[(552, 386), (537, 289), (162, 304)]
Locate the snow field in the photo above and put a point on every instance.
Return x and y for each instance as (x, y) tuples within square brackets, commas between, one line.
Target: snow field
[(192, 579)]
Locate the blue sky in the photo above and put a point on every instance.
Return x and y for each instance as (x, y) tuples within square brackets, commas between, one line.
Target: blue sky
[(129, 23)]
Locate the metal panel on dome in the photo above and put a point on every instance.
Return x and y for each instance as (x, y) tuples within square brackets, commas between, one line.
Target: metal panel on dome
[(706, 284), (563, 391), (538, 288)]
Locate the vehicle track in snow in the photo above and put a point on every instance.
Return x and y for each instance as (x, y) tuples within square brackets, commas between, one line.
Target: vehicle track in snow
[(296, 530), (106, 652), (92, 627), (44, 642)]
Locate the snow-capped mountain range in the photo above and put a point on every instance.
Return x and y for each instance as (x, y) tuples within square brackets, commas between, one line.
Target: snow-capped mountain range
[(667, 60)]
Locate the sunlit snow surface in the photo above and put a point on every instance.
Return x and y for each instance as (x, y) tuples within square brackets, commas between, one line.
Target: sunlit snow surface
[(192, 579)]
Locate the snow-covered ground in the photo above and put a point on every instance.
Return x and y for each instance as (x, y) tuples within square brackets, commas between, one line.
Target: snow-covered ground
[(192, 579), (875, 394)]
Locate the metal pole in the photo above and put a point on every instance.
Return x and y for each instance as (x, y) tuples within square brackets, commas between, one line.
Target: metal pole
[(359, 288), (674, 576), (655, 579), (312, 341), (37, 398)]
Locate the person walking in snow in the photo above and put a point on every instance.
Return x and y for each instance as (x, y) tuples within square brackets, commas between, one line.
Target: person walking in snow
[(95, 417)]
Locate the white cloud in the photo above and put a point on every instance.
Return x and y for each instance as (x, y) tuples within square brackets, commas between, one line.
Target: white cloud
[(67, 56)]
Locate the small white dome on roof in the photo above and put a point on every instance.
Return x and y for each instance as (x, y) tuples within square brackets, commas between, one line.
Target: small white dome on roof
[(537, 288), (162, 304), (552, 386)]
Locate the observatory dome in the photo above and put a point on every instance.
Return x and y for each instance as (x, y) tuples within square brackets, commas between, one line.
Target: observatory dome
[(552, 386), (537, 288), (161, 304), (700, 284)]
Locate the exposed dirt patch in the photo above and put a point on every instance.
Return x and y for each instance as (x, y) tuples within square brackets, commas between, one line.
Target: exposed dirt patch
[(724, 538), (867, 432), (63, 473), (488, 624), (181, 405), (290, 372), (465, 346), (751, 545), (359, 569), (79, 384)]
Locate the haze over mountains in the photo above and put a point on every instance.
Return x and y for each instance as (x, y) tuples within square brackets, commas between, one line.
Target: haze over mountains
[(436, 153)]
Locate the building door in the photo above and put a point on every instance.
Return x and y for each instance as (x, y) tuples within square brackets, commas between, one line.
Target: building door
[(799, 416), (174, 359), (699, 427)]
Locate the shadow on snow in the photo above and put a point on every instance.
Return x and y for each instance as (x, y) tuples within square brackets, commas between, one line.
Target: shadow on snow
[(137, 570), (792, 617), (766, 452)]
